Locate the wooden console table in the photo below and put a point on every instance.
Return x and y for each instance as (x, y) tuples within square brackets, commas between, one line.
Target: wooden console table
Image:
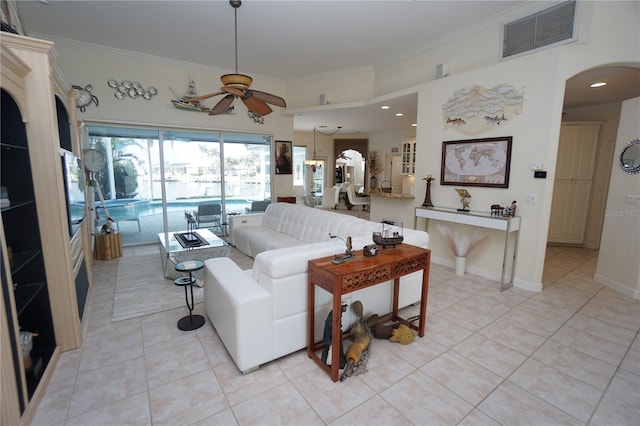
[(358, 273), (508, 224)]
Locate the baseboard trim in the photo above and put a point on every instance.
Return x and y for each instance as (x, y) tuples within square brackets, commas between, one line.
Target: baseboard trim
[(619, 287)]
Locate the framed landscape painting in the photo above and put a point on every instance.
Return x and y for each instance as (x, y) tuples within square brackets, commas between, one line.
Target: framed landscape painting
[(476, 162)]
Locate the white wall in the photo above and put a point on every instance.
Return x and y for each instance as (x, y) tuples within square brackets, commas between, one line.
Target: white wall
[(472, 60), (535, 131), (618, 265), (85, 64), (531, 144)]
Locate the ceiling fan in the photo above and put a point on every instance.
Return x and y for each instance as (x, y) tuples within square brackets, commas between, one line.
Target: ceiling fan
[(237, 86)]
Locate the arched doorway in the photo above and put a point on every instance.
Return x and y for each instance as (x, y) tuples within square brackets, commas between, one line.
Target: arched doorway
[(583, 107), (349, 160)]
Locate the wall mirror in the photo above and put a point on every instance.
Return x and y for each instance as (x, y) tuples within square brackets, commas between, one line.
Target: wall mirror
[(630, 157)]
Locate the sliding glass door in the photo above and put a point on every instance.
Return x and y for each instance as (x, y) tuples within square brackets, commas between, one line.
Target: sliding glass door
[(155, 179)]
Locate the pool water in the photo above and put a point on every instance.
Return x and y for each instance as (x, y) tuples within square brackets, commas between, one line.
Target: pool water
[(125, 208)]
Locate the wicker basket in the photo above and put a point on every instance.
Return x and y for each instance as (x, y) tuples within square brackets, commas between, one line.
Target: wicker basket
[(385, 186)]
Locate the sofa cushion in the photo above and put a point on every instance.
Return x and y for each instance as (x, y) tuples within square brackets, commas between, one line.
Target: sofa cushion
[(292, 260), (315, 225)]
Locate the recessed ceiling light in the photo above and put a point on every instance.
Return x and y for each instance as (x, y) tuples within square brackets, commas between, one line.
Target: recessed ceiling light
[(399, 114), (414, 125), (598, 84), (384, 107)]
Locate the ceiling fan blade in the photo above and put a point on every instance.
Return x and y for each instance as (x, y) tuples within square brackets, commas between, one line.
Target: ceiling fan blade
[(223, 105), (233, 90), (256, 105), (199, 98), (269, 98)]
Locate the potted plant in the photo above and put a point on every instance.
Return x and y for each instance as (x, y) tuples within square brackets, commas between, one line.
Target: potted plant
[(461, 246), (375, 167)]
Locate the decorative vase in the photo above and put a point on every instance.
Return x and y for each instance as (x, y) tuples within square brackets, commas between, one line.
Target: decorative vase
[(460, 265), (373, 182)]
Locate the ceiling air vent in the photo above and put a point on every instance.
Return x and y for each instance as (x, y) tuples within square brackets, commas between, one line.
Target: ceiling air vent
[(552, 26)]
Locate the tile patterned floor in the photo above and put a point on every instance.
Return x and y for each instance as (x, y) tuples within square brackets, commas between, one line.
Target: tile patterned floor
[(568, 355)]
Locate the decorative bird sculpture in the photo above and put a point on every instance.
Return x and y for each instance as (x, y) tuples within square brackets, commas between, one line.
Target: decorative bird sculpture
[(464, 196)]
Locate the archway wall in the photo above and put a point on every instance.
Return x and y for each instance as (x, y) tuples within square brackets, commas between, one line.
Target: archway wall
[(541, 76), (618, 265), (360, 145)]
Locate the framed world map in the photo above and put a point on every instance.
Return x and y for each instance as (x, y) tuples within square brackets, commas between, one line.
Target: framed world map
[(476, 162)]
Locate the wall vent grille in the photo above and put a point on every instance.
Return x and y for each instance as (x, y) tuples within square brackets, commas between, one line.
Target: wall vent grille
[(555, 25)]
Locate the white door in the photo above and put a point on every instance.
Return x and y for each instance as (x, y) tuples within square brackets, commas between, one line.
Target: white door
[(573, 183)]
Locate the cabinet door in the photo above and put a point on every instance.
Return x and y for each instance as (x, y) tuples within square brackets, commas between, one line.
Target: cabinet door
[(577, 150), (409, 157)]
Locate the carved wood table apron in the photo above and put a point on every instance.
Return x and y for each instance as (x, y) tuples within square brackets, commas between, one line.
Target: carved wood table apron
[(358, 273)]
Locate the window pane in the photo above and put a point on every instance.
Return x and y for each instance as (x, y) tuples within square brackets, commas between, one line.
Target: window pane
[(148, 185)]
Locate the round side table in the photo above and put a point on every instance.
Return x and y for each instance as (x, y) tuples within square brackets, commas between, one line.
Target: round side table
[(190, 322)]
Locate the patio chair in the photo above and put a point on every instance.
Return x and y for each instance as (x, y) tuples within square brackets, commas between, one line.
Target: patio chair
[(359, 202), (257, 206), (209, 213)]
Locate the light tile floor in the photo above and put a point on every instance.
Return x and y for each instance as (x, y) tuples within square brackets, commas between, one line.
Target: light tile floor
[(567, 355)]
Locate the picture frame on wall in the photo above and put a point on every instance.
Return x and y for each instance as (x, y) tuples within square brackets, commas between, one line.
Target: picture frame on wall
[(476, 162), (284, 159)]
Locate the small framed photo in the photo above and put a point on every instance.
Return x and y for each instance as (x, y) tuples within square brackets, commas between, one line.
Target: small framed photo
[(476, 162), (284, 150)]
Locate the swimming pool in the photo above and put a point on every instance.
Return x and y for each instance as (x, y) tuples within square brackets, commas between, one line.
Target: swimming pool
[(136, 207)]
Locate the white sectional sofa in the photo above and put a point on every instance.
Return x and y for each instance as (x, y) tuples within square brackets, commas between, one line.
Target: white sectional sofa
[(261, 314)]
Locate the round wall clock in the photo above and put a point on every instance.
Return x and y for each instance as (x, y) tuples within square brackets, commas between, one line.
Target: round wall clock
[(93, 160)]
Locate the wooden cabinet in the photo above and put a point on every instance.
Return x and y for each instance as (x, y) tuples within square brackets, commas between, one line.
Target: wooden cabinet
[(409, 157), (39, 301)]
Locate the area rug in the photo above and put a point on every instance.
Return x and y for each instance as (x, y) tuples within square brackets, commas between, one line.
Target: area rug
[(142, 289)]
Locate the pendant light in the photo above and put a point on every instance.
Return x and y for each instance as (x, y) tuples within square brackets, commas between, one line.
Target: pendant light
[(315, 162)]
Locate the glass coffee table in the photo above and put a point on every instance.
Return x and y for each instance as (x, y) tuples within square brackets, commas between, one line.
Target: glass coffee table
[(198, 244)]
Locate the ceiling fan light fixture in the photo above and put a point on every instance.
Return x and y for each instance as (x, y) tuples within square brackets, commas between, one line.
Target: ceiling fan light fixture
[(236, 85), (240, 81)]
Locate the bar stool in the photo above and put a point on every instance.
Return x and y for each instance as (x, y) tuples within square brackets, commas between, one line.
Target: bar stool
[(190, 322)]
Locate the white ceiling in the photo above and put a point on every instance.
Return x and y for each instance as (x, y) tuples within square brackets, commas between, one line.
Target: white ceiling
[(280, 39)]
